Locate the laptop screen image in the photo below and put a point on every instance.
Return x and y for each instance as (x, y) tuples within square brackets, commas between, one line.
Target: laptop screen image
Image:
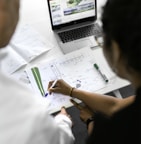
[(68, 12)]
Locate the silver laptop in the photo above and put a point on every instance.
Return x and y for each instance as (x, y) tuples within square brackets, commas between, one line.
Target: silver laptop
[(73, 23)]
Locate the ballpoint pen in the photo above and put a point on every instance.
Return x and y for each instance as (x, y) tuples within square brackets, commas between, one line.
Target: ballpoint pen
[(46, 94), (103, 75), (53, 84)]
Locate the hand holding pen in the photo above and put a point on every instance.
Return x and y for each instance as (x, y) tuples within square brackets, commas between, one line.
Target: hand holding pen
[(52, 86), (60, 87)]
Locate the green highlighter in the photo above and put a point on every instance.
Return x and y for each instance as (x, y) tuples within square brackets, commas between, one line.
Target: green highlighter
[(38, 80)]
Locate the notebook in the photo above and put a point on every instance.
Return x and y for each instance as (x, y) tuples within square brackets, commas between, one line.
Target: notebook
[(74, 23)]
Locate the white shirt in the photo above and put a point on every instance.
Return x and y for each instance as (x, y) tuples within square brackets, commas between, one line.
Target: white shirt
[(24, 117)]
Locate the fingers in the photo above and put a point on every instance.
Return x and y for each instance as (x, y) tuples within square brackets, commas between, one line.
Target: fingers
[(53, 84), (76, 104), (59, 86), (50, 84), (63, 110)]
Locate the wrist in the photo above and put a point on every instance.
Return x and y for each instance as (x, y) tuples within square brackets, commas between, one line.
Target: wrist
[(71, 91)]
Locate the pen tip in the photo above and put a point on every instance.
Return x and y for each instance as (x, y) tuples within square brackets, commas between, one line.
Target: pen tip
[(46, 94)]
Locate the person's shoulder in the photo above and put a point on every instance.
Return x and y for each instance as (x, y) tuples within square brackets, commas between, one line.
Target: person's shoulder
[(18, 95), (9, 86)]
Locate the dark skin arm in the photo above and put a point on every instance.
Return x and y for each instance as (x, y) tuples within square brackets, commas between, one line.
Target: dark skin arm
[(107, 105), (85, 113)]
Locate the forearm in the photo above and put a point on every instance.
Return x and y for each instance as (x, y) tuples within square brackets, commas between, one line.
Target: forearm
[(97, 102)]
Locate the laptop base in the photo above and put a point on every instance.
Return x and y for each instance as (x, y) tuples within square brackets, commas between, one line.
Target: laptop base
[(77, 44)]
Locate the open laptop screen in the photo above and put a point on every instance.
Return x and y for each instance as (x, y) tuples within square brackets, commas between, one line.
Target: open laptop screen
[(68, 12)]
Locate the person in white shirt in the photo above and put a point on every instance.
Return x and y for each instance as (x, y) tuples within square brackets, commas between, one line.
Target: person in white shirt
[(24, 118)]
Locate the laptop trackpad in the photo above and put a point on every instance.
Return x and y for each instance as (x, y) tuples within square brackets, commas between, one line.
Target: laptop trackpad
[(82, 43), (77, 44)]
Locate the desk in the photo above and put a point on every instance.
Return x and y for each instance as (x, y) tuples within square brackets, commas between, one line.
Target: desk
[(35, 13)]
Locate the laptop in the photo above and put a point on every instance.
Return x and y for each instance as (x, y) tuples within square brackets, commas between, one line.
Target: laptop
[(74, 23)]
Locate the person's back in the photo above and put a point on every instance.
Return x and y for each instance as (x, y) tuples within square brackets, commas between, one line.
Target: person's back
[(123, 127), (122, 47), (24, 117)]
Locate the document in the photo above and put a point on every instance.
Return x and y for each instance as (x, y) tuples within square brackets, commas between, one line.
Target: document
[(76, 68), (25, 46)]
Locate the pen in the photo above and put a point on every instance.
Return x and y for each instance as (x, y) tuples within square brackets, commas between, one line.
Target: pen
[(46, 94), (103, 75), (53, 84)]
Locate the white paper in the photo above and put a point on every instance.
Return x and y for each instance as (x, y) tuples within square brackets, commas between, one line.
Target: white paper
[(12, 61), (28, 43), (76, 68), (25, 46)]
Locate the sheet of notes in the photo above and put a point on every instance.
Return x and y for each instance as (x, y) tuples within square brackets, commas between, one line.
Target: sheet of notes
[(76, 68)]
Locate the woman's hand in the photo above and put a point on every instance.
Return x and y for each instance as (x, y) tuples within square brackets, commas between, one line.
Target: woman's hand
[(64, 112), (85, 114), (60, 87), (85, 111)]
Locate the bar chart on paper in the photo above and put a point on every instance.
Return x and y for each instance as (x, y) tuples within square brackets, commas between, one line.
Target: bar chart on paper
[(76, 68)]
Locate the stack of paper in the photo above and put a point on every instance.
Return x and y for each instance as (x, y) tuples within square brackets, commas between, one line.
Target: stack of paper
[(25, 46)]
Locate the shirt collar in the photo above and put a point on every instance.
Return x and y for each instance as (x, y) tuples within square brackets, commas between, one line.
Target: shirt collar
[(3, 53)]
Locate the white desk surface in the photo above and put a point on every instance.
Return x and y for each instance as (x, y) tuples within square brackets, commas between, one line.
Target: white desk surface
[(35, 13)]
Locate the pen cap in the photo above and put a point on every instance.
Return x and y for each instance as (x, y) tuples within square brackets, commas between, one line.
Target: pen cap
[(96, 66)]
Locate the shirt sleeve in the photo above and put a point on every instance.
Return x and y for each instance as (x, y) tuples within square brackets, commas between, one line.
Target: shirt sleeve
[(51, 130), (25, 118), (65, 125)]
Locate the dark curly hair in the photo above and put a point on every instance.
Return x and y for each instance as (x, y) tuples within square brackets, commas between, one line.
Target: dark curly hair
[(122, 22)]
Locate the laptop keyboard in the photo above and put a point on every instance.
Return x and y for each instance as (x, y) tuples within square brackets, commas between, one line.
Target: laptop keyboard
[(81, 32)]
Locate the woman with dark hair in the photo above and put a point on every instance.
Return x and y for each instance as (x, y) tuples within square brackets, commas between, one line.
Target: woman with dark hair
[(115, 121)]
